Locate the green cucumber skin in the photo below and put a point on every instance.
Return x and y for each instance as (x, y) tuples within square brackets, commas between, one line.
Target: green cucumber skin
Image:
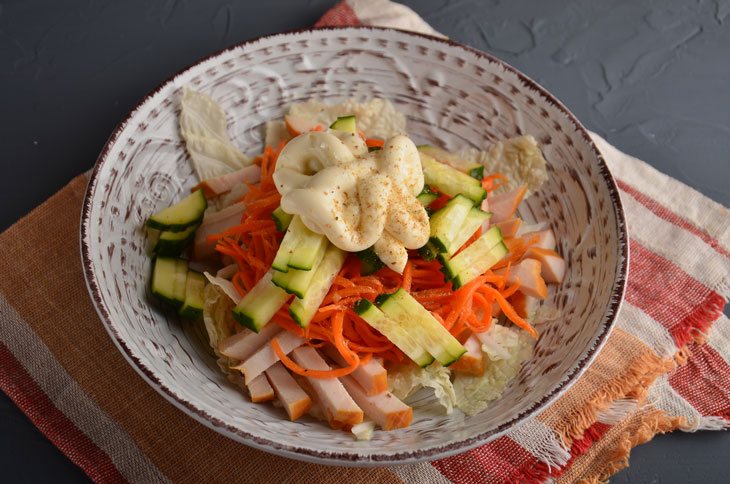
[(461, 279), (427, 196), (190, 312), (362, 306), (437, 244), (279, 268), (456, 358), (297, 281), (291, 240), (295, 317), (178, 227), (370, 263), (446, 179), (445, 267), (380, 299), (443, 346), (303, 310), (404, 299), (174, 300), (427, 199), (453, 266), (345, 123), (366, 310), (474, 170), (296, 256), (246, 321), (281, 219), (428, 251), (194, 303), (447, 221), (169, 246), (473, 222), (172, 227), (284, 284), (477, 173)]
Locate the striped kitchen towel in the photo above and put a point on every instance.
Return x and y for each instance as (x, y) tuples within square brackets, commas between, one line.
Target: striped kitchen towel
[(665, 367)]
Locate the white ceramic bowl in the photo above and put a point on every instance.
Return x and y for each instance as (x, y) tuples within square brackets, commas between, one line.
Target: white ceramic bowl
[(452, 95)]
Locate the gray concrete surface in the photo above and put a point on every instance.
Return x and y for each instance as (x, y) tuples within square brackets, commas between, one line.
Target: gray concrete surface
[(653, 77)]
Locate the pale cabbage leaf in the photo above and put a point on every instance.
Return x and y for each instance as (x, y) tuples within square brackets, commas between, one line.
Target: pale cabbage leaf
[(203, 126), (377, 118), (504, 349), (275, 133), (404, 380), (519, 159)]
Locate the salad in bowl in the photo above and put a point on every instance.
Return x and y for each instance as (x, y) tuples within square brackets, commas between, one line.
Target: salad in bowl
[(345, 267)]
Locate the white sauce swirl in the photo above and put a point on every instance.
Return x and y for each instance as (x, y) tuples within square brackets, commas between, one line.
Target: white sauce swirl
[(357, 199)]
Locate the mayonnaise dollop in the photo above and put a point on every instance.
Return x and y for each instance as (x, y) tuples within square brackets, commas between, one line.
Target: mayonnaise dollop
[(356, 198)]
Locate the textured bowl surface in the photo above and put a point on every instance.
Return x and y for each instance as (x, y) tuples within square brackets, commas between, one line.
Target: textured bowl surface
[(453, 96)]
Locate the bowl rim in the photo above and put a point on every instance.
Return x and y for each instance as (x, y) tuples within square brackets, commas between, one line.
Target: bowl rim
[(351, 458)]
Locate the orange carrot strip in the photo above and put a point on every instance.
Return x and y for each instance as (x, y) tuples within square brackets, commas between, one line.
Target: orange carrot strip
[(237, 283), (336, 373), (512, 315), (374, 143), (515, 255), (339, 341), (488, 181), (343, 281), (486, 307), (407, 276), (512, 289)]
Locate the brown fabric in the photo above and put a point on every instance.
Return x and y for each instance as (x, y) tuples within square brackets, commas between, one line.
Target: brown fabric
[(607, 379), (610, 454), (41, 277)]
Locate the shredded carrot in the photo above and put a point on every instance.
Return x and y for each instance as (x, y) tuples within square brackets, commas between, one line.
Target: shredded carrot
[(511, 314), (488, 181), (252, 245), (374, 143), (517, 252), (339, 341), (407, 276), (299, 370), (238, 283)]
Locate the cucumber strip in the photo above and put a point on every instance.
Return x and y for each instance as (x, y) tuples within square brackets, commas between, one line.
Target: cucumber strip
[(310, 249), (473, 222), (396, 333), (169, 276), (494, 255), (281, 219), (446, 222), (345, 123), (422, 326), (188, 211), (260, 304), (192, 308), (427, 196), (297, 281), (172, 243), (302, 310), (471, 255), (288, 244), (370, 263), (451, 181), (428, 251), (474, 170)]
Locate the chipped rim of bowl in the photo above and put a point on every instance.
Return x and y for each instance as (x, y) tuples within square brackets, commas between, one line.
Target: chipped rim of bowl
[(349, 458)]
